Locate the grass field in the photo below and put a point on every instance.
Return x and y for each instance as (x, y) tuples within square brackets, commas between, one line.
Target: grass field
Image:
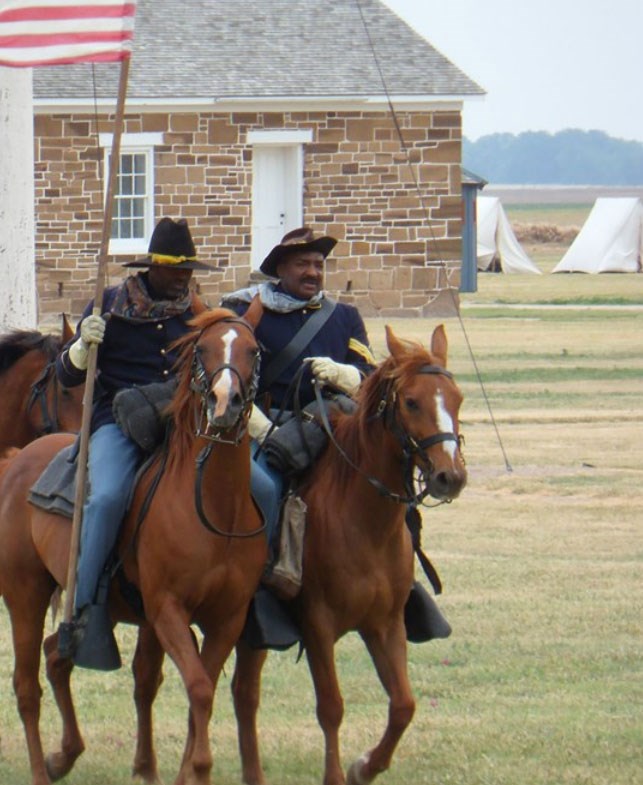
[(568, 214), (542, 680)]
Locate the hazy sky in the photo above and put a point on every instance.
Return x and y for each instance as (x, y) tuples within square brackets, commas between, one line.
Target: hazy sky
[(545, 65)]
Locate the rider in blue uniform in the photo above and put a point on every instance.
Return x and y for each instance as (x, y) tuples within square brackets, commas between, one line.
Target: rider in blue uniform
[(336, 352), (141, 317)]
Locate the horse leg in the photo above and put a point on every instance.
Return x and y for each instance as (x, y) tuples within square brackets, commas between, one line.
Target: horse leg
[(148, 677), (330, 705), (246, 693), (173, 631), (215, 650), (27, 622), (72, 746), (388, 652)]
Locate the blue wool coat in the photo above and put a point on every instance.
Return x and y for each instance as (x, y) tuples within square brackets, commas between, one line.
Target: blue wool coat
[(343, 338), (132, 353)]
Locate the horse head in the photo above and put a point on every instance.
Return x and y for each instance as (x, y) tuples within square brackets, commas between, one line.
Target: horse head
[(220, 366), (420, 407), (35, 403)]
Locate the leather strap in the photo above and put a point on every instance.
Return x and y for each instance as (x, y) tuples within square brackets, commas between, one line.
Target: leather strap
[(298, 342)]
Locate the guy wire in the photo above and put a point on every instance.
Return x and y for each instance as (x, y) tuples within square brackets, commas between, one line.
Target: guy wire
[(425, 210)]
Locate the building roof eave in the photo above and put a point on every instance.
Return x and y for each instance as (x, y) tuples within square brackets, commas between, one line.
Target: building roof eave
[(44, 106)]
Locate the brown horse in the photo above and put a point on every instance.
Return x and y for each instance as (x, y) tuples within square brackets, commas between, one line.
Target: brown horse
[(34, 403), (195, 549), (358, 555)]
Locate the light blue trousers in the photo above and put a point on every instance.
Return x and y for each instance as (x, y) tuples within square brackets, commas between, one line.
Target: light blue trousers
[(267, 488), (112, 463)]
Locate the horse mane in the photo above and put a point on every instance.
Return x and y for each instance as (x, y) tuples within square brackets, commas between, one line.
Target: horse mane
[(181, 409), (355, 432), (17, 343)]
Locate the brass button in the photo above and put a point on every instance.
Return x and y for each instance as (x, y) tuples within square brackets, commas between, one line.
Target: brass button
[(159, 326), (166, 372), (163, 352)]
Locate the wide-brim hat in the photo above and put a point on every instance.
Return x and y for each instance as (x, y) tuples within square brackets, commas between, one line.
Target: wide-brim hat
[(299, 240), (171, 246)]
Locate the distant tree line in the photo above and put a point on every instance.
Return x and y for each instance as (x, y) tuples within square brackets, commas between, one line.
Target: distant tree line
[(569, 157)]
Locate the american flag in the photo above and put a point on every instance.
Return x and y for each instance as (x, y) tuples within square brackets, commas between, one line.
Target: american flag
[(58, 32)]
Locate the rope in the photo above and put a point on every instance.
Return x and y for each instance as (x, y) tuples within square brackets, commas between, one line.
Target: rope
[(99, 157), (425, 210)]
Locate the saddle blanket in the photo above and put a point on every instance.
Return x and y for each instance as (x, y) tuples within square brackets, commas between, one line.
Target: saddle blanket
[(55, 490)]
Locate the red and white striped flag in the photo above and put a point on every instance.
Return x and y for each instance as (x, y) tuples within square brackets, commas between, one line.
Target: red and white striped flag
[(58, 32)]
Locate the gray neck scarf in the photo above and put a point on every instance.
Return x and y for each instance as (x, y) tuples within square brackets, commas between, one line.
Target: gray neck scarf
[(272, 298)]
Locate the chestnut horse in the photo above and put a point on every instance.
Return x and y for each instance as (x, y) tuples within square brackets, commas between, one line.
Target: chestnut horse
[(358, 555), (33, 401), (195, 549)]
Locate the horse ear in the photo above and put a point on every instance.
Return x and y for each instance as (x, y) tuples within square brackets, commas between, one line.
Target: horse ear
[(395, 346), (439, 345), (254, 313), (67, 329), (197, 305)]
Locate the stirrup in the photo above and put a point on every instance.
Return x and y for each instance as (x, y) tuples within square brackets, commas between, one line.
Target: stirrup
[(269, 624), (422, 617), (97, 648)]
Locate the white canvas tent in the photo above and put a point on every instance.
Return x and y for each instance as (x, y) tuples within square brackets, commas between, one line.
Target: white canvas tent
[(611, 240), (496, 241)]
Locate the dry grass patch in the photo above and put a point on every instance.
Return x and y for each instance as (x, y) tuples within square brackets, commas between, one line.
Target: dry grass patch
[(540, 682)]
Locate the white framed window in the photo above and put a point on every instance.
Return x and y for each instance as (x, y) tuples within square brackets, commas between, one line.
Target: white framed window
[(133, 208)]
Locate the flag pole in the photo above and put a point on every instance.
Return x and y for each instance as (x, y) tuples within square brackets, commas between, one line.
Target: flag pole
[(64, 643)]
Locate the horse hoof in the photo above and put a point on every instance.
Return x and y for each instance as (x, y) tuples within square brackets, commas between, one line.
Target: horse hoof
[(149, 778), (59, 765), (355, 775)]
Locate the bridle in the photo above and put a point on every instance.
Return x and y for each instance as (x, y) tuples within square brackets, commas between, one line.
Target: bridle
[(38, 395), (201, 382), (386, 410), (412, 448)]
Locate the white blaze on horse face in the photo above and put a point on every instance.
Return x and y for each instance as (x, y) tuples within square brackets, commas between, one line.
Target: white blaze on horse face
[(222, 388), (445, 424)]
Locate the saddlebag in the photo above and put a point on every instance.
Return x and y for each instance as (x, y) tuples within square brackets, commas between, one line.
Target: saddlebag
[(140, 412)]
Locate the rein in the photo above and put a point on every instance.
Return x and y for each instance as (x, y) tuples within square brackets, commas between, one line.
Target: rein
[(198, 501), (410, 447), (38, 394), (201, 383)]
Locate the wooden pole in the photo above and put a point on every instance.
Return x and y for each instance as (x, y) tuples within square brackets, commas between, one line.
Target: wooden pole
[(81, 476)]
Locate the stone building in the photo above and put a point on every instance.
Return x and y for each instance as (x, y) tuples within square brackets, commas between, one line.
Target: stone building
[(329, 113)]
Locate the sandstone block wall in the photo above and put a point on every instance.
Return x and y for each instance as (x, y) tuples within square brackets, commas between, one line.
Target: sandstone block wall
[(397, 214)]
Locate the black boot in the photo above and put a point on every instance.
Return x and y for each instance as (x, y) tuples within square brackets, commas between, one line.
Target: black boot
[(269, 624), (96, 647), (423, 618), (89, 639)]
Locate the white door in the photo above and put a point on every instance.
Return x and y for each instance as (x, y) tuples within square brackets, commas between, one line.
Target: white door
[(276, 196)]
